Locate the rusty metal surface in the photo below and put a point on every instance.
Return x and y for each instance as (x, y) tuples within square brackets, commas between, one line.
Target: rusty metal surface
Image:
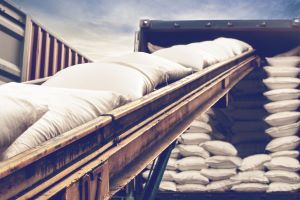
[(51, 168)]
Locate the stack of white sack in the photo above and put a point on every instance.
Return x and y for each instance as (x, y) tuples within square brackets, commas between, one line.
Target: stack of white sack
[(200, 55), (222, 165), (246, 113), (283, 118), (192, 156), (188, 159), (252, 176), (49, 116)]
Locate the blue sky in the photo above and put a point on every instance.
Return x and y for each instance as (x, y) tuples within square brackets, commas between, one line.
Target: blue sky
[(100, 28)]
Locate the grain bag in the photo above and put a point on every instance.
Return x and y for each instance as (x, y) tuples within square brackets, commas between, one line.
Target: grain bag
[(221, 186), (254, 162), (68, 108), (167, 71), (193, 138), (282, 94), (290, 153), (283, 187), (282, 131), (283, 144), (220, 148), (283, 163), (218, 174), (190, 177), (282, 118), (223, 162), (17, 115), (291, 61), (282, 71), (282, 106), (255, 176), (191, 163), (250, 187), (283, 176), (192, 150), (183, 55), (191, 188)]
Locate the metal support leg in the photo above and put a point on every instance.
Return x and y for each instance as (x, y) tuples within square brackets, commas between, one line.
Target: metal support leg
[(155, 177)]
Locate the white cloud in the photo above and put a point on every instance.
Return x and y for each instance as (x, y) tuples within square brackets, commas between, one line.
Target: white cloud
[(100, 28)]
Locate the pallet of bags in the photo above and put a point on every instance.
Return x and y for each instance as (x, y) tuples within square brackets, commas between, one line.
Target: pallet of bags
[(187, 159), (251, 174), (283, 83), (192, 156)]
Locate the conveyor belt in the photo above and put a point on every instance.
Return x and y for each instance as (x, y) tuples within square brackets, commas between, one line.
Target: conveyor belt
[(102, 156)]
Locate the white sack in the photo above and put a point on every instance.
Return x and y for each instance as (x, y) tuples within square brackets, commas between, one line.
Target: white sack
[(149, 63), (114, 77), (282, 118), (193, 138), (290, 153), (250, 187), (291, 61), (220, 148), (255, 176), (223, 162), (282, 71), (282, 106), (16, 115), (68, 108), (274, 83), (218, 174), (190, 177), (174, 153), (212, 48), (182, 55), (282, 131), (254, 162), (283, 187), (221, 186), (192, 150), (283, 163), (191, 188), (191, 163), (283, 144), (168, 175), (237, 46), (283, 176), (282, 94), (167, 186), (199, 127)]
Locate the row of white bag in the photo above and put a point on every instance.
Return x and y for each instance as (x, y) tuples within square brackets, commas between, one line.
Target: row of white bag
[(202, 54), (282, 160), (251, 181), (282, 72), (226, 185), (204, 176)]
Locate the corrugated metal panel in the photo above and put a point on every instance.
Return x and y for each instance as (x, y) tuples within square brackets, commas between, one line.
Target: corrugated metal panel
[(30, 48)]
